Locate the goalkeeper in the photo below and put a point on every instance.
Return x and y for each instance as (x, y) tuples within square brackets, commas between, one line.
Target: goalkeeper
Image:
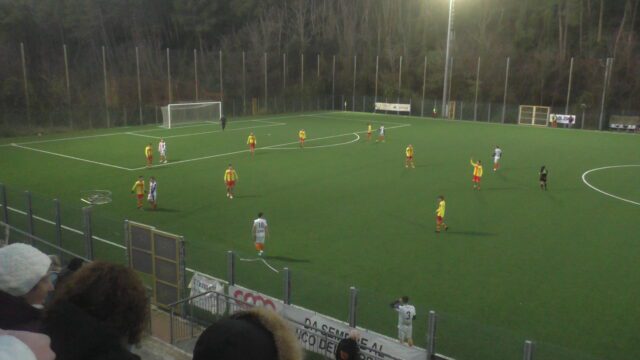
[(406, 315)]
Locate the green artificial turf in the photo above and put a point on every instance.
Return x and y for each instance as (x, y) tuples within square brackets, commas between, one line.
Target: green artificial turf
[(558, 267)]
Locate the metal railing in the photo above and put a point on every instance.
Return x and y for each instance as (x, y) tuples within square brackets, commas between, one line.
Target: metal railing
[(188, 321)]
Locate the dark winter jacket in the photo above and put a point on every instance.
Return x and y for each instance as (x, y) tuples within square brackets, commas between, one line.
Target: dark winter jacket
[(17, 314), (76, 335)]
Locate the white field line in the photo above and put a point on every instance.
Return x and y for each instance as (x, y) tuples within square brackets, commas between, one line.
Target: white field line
[(76, 231), (276, 147), (360, 120), (65, 139), (263, 261), (263, 148), (159, 128), (71, 157), (217, 131), (584, 180), (141, 135)]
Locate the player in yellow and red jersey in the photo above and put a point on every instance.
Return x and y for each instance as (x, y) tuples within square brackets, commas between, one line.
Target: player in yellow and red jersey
[(477, 173), (251, 140), (369, 131), (440, 214), (409, 161), (138, 189), (302, 135), (148, 153), (230, 178)]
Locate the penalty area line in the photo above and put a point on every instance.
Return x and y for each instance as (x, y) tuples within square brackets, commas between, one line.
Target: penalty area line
[(71, 157)]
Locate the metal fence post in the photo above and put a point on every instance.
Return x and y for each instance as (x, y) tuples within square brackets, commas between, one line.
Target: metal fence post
[(30, 214), (56, 208), (506, 87), (353, 306), (171, 331), (26, 88), (287, 286), (353, 95), (431, 334), (333, 85), (475, 101), (566, 107), (607, 71), (5, 204), (127, 242), (88, 235), (231, 267), (528, 350), (106, 85)]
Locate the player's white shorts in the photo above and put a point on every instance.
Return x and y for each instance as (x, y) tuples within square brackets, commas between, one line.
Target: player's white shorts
[(163, 153), (260, 238), (496, 159), (405, 333), (151, 197)]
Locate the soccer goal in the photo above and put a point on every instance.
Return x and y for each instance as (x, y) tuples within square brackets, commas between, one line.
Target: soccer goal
[(194, 112), (534, 115)]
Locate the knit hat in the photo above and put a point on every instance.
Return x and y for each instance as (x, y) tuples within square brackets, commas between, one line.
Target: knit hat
[(21, 267), (11, 349), (257, 334)]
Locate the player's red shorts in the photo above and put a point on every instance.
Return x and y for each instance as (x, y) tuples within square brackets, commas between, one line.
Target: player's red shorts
[(439, 219), (252, 146), (149, 158), (301, 140), (409, 157), (476, 179), (140, 196), (231, 183)]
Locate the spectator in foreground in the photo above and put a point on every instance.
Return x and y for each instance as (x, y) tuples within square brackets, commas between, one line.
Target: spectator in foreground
[(64, 275), (348, 348), (98, 315), (257, 334), (24, 285), (38, 344)]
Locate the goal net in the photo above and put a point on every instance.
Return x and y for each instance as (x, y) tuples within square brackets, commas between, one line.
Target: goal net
[(534, 115), (195, 112)]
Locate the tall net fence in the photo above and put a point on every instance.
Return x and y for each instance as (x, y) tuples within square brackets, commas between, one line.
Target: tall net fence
[(91, 86)]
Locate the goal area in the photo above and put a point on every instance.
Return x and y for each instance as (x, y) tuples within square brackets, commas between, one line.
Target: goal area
[(192, 112), (534, 115)]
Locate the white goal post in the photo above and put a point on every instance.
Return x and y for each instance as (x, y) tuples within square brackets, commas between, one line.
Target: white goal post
[(534, 115), (193, 112)]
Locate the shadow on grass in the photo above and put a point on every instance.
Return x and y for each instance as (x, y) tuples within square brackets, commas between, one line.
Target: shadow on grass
[(288, 259)]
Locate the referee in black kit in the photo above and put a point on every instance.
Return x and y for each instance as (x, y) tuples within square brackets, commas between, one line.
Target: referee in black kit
[(223, 122)]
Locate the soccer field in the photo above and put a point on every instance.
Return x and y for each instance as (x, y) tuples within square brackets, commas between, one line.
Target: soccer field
[(559, 267)]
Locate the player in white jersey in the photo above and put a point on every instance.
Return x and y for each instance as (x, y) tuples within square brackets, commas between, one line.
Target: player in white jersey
[(381, 134), (153, 193), (497, 154), (162, 149), (406, 315), (260, 232)]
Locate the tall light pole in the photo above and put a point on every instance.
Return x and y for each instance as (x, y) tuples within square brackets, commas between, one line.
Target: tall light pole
[(445, 90)]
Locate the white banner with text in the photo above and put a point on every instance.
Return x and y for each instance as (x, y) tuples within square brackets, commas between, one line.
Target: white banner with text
[(393, 107)]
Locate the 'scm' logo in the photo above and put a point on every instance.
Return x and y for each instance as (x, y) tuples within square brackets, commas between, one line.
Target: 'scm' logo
[(254, 299)]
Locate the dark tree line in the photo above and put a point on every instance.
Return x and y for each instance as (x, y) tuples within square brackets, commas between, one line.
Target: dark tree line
[(539, 36)]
